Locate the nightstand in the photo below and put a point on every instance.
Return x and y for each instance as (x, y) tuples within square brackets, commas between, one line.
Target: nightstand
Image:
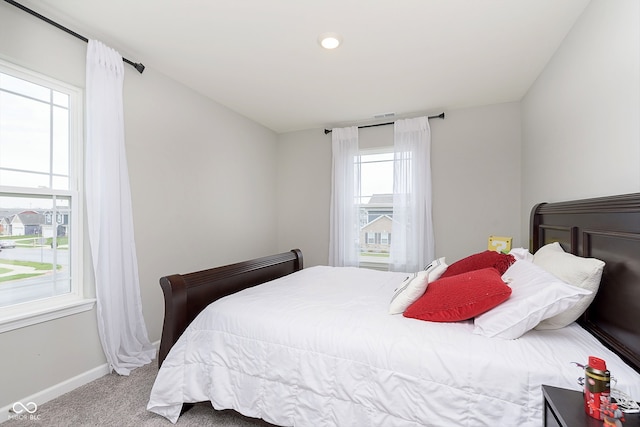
[(565, 408)]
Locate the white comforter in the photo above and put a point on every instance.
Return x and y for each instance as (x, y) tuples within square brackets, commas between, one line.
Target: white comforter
[(317, 348)]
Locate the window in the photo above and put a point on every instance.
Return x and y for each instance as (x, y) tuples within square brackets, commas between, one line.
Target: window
[(376, 207), (40, 198)]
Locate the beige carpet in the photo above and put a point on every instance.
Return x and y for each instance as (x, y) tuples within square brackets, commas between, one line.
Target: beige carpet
[(115, 400)]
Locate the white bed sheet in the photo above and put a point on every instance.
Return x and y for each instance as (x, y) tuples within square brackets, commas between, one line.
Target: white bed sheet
[(317, 348)]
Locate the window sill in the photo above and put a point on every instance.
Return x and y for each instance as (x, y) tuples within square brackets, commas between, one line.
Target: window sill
[(27, 314)]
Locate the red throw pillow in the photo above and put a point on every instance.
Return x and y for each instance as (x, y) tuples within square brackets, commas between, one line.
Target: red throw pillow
[(485, 259), (460, 297)]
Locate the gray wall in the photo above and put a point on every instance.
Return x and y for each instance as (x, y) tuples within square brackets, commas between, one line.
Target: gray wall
[(581, 118), (476, 182), (203, 183)]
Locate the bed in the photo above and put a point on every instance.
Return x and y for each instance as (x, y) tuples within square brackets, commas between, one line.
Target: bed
[(317, 346)]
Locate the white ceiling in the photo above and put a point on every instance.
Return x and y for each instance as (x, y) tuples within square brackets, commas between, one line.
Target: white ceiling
[(261, 58)]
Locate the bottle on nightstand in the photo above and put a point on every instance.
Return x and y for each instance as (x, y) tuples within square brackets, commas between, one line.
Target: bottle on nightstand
[(597, 387)]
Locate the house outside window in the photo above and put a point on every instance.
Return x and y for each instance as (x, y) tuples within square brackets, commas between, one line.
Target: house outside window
[(40, 198)]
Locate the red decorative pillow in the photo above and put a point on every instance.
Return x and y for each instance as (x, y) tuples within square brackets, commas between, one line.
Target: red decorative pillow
[(460, 297), (485, 259)]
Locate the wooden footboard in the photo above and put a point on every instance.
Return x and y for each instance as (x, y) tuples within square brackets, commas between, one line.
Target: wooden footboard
[(186, 295)]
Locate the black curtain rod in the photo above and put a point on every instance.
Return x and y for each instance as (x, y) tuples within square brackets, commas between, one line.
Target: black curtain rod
[(439, 116), (137, 65)]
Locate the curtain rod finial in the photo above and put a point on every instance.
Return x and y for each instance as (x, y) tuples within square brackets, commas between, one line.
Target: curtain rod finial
[(140, 67)]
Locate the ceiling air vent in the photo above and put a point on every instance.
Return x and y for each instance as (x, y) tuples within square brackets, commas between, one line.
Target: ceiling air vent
[(383, 115)]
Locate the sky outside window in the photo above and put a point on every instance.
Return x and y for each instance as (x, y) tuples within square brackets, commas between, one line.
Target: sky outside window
[(376, 175)]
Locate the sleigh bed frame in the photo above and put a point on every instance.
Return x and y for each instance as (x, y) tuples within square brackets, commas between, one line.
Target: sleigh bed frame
[(607, 228)]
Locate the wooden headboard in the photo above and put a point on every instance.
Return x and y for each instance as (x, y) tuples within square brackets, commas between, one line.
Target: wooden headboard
[(607, 228)]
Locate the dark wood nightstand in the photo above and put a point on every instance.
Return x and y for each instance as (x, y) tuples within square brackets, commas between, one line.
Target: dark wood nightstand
[(565, 408)]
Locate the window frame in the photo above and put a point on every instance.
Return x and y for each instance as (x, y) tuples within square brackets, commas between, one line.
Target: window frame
[(36, 311)]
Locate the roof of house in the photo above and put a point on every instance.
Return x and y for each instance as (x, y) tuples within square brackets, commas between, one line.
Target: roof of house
[(29, 218), (378, 199), (380, 218)]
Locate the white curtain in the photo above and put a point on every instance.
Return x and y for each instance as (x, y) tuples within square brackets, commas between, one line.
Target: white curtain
[(412, 246), (109, 215), (344, 224)]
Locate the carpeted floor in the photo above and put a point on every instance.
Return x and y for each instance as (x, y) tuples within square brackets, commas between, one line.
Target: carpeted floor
[(115, 400)]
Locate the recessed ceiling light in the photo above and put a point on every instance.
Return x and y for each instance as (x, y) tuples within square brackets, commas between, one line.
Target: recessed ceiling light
[(329, 40)]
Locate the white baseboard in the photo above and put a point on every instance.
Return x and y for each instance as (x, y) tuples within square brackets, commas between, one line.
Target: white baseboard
[(61, 388)]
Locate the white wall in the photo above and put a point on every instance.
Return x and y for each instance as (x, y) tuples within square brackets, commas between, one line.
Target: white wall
[(203, 184), (304, 188), (581, 118), (476, 178), (476, 182)]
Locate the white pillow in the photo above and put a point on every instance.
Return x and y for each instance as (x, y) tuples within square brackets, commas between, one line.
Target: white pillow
[(584, 273), (414, 286), (536, 295), (521, 253), (436, 269)]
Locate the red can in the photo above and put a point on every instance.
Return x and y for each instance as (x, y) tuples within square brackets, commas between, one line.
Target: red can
[(597, 387)]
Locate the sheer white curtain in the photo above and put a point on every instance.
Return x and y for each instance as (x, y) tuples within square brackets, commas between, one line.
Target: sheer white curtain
[(344, 224), (109, 215), (412, 246)]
